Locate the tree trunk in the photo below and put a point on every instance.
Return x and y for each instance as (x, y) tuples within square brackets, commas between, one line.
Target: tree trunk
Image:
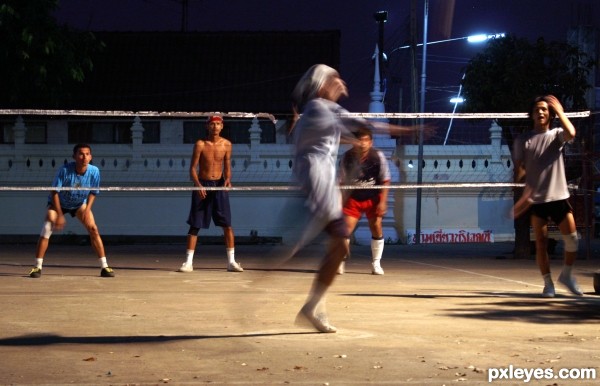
[(522, 230)]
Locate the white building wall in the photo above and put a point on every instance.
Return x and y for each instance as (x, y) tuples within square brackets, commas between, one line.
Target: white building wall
[(454, 213), (270, 213)]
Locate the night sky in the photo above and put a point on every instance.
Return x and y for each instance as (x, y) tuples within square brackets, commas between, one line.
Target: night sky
[(550, 19)]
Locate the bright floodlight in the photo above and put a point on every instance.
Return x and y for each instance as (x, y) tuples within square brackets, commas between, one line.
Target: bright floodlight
[(483, 37), (457, 100), (477, 38)]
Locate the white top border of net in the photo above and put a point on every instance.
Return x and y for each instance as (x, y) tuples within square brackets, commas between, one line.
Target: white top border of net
[(191, 114), (472, 185)]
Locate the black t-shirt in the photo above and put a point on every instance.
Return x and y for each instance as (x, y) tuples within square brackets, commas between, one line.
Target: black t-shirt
[(370, 171)]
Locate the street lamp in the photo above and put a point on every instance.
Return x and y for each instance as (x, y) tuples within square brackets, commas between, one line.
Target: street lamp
[(456, 100), (483, 37), (473, 39)]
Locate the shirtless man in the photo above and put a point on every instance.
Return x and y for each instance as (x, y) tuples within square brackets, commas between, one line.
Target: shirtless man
[(211, 167)]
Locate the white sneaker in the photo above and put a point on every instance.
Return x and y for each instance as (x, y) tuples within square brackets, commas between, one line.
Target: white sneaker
[(185, 267), (548, 291), (570, 283), (377, 270), (340, 270), (234, 267)]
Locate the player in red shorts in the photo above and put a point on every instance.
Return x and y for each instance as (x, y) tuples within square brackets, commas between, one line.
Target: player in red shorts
[(364, 166)]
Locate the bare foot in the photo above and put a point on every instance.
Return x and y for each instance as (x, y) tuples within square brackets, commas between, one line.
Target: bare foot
[(318, 321)]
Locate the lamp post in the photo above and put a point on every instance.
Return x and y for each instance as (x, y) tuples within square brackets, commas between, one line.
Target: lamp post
[(422, 109), (470, 39), (381, 18)]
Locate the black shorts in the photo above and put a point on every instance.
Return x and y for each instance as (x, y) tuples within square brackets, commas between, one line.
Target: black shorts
[(72, 212), (337, 228), (553, 210), (215, 206)]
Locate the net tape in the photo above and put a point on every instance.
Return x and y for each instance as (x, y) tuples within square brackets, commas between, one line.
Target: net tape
[(471, 185), (268, 188), (183, 114)]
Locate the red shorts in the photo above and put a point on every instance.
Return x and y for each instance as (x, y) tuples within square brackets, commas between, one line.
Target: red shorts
[(355, 208)]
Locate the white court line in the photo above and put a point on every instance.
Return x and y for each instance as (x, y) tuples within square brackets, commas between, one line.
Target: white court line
[(474, 273)]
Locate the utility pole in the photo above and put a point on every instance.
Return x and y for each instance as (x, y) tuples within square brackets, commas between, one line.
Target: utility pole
[(421, 121), (381, 18), (413, 56), (184, 15)]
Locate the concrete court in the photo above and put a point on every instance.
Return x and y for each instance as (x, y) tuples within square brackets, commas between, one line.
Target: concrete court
[(441, 315)]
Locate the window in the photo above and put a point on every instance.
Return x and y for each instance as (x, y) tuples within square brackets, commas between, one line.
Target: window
[(36, 132), (151, 132), (193, 131), (111, 132), (235, 130)]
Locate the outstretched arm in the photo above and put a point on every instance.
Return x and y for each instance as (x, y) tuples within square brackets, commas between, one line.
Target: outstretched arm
[(397, 130)]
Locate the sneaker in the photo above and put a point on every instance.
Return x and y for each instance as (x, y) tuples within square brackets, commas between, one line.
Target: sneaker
[(35, 272), (570, 283), (234, 267), (107, 272), (340, 270), (548, 291), (377, 270), (185, 267)]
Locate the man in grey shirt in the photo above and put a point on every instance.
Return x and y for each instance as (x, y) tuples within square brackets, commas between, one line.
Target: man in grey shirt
[(538, 158), (316, 135)]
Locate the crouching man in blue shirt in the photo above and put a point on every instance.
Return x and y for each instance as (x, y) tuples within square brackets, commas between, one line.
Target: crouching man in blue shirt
[(77, 202)]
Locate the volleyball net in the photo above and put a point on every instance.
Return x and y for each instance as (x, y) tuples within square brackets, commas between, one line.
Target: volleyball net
[(151, 150), (464, 171)]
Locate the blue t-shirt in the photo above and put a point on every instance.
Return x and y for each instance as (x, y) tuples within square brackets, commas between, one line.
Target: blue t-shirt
[(67, 177)]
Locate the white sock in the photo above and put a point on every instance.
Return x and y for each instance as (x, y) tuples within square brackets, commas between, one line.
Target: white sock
[(189, 257), (567, 270), (39, 262), (230, 255), (548, 279), (377, 250), (103, 263)]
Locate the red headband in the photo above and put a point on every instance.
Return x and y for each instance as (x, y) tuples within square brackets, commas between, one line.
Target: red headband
[(214, 118)]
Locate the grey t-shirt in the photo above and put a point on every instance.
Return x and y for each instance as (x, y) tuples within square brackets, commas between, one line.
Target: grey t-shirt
[(542, 157), (317, 138)]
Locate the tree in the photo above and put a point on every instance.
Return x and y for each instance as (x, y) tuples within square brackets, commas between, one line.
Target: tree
[(40, 62), (509, 73)]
